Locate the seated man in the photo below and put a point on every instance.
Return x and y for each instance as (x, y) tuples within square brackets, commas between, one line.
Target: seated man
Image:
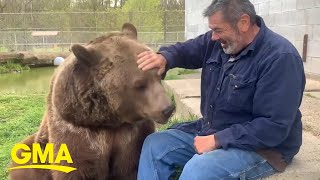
[(251, 88)]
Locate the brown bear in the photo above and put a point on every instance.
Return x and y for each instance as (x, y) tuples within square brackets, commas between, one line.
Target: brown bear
[(102, 106)]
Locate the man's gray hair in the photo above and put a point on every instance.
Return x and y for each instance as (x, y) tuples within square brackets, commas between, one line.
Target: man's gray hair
[(232, 10)]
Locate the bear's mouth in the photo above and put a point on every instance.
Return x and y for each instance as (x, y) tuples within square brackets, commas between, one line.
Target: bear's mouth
[(161, 119)]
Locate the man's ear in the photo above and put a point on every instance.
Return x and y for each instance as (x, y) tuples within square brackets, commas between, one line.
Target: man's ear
[(129, 30), (84, 55), (244, 23)]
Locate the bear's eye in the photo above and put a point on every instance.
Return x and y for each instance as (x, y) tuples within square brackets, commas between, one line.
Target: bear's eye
[(140, 85)]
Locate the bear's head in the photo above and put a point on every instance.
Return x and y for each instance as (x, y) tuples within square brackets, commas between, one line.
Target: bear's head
[(100, 85)]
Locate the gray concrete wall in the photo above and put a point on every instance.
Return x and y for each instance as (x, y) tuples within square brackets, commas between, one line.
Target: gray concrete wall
[(195, 23), (290, 18)]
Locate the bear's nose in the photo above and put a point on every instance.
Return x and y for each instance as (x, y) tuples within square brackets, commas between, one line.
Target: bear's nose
[(168, 111)]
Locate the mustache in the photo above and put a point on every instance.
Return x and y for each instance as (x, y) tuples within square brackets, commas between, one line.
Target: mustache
[(222, 41)]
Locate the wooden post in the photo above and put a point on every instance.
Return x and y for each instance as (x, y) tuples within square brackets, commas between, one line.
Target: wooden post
[(305, 48)]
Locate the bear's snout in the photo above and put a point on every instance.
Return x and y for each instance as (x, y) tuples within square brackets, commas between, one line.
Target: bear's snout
[(168, 111)]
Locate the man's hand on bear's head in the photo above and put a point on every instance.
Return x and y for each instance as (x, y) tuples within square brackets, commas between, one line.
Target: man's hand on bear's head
[(149, 60)]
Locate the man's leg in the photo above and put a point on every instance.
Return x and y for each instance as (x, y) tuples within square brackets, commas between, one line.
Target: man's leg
[(162, 152), (226, 164)]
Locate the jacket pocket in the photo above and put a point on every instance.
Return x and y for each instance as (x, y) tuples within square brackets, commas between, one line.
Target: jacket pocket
[(210, 71), (212, 65), (241, 93)]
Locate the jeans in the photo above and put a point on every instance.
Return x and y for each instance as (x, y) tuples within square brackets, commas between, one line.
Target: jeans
[(163, 152)]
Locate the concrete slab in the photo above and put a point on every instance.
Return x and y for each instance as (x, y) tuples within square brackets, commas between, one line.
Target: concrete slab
[(185, 88), (312, 85), (306, 165), (314, 94), (193, 104), (310, 113), (187, 97)]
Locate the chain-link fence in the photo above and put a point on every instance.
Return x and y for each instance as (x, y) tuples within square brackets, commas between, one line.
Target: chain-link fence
[(24, 41), (18, 29)]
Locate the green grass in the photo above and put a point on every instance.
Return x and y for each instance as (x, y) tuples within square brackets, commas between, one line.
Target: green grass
[(175, 120), (12, 67), (177, 73), (20, 116)]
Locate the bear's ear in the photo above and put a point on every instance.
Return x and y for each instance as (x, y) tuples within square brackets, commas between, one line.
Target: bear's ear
[(84, 55), (129, 30)]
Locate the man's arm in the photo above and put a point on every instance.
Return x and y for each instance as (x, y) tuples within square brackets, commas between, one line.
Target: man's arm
[(276, 101), (189, 54)]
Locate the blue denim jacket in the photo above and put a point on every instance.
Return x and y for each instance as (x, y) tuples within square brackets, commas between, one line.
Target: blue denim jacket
[(252, 102)]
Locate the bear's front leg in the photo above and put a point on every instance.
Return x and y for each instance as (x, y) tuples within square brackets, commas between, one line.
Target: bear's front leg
[(127, 148), (88, 170)]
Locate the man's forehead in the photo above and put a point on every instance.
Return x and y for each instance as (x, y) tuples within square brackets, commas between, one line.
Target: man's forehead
[(216, 20)]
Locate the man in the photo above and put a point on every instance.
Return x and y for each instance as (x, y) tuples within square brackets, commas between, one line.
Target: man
[(252, 85)]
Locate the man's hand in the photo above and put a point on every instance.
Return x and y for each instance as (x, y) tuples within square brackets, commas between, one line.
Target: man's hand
[(149, 60), (204, 144)]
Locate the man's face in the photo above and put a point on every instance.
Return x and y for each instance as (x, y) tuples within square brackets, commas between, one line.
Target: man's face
[(223, 32)]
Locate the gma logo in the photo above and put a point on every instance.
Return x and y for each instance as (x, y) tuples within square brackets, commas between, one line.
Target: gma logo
[(46, 157)]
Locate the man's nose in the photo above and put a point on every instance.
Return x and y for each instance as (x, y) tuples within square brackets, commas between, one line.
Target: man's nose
[(214, 36)]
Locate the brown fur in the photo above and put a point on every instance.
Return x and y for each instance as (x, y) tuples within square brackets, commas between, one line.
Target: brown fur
[(102, 106)]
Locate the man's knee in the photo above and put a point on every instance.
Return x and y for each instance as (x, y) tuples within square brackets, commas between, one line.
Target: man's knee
[(156, 141), (166, 141), (195, 164), (152, 140), (196, 168)]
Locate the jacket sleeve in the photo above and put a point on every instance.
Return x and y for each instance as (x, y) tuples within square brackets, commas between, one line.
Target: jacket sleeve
[(189, 54), (276, 101)]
